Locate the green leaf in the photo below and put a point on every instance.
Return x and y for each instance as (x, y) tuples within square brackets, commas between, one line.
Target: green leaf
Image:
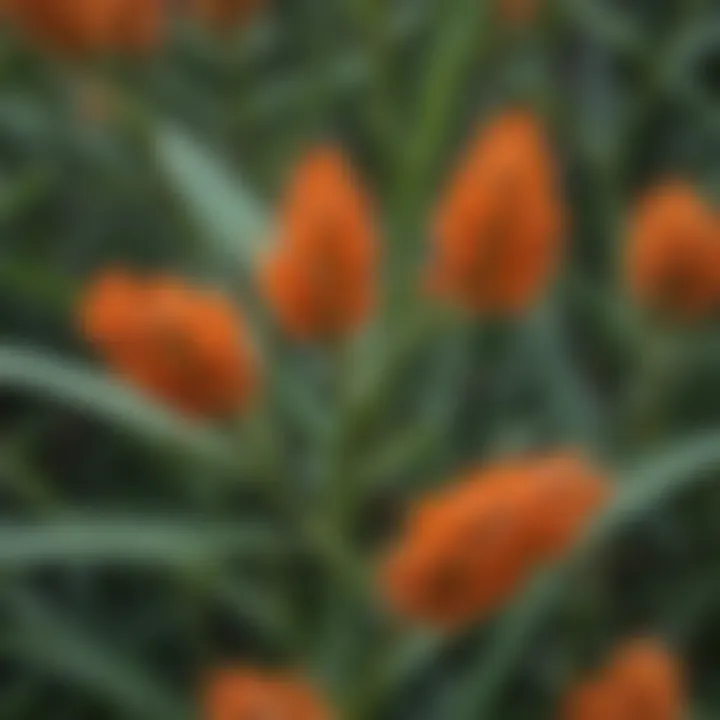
[(399, 456), (222, 209), (110, 400), (576, 411), (463, 34), (649, 484), (129, 540), (33, 283), (347, 74), (405, 658), (376, 374), (57, 646), (24, 193), (265, 611), (20, 477), (681, 69), (606, 24)]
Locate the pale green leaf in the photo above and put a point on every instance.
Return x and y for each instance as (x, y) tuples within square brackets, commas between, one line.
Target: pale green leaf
[(222, 209), (59, 647), (129, 540), (84, 389)]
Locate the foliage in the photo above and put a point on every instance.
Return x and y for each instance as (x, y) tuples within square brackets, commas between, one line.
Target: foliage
[(139, 548)]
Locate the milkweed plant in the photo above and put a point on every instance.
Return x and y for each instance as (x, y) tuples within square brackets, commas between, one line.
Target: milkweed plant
[(358, 360)]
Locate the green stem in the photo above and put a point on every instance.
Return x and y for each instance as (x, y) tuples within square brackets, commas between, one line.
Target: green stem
[(464, 32), (371, 17), (649, 395)]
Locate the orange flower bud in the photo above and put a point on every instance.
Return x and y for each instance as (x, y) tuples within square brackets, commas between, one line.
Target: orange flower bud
[(673, 255), (569, 491), (498, 231), (649, 681), (643, 681), (320, 279), (592, 700), (90, 26), (467, 549), (185, 346), (248, 694)]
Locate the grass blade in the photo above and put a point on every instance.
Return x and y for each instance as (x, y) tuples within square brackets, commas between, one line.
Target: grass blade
[(55, 645), (107, 399), (128, 541), (221, 208)]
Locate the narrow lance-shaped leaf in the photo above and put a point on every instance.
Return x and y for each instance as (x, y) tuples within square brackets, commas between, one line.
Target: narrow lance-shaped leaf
[(222, 209), (610, 26), (348, 73), (575, 408), (57, 646), (463, 34), (129, 540), (84, 389)]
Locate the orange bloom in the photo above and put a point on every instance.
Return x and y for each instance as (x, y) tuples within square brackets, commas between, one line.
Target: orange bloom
[(248, 694), (567, 492), (641, 682), (649, 681), (90, 26), (673, 256), (497, 235), (221, 14), (320, 279), (187, 347), (467, 549)]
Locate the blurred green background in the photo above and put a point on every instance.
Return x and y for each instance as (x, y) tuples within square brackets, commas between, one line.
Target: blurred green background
[(136, 550)]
